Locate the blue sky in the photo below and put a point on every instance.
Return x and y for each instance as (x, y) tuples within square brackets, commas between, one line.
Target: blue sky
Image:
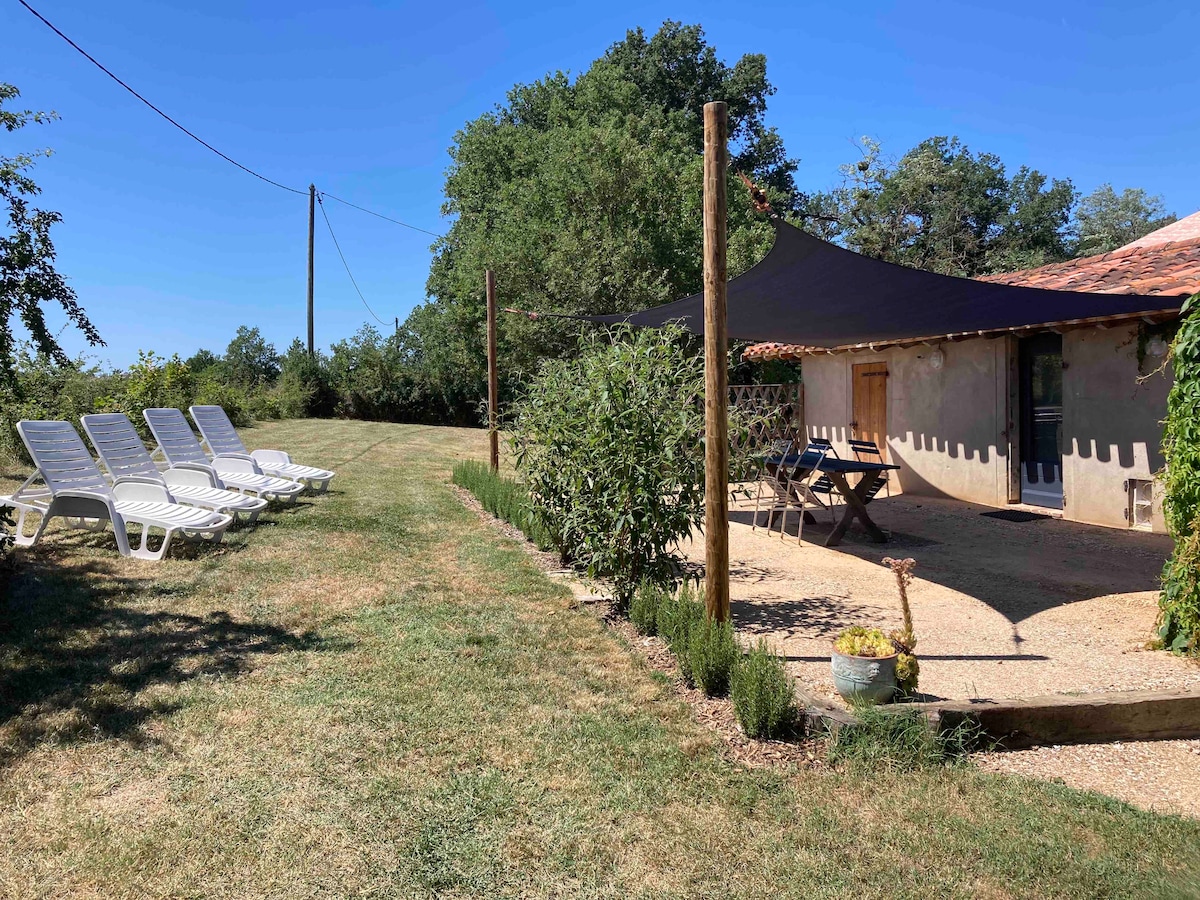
[(170, 248)]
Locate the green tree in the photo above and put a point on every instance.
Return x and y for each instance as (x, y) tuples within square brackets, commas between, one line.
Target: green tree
[(584, 196), (28, 279), (366, 374), (1106, 220), (202, 360), (943, 208), (304, 383), (249, 359)]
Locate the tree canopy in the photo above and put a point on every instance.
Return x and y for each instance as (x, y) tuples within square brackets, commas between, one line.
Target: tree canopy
[(1106, 220), (584, 195), (943, 208), (28, 279), (250, 359)]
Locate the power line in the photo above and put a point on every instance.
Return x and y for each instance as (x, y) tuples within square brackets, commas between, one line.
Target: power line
[(200, 140), (379, 215), (194, 137), (325, 216)]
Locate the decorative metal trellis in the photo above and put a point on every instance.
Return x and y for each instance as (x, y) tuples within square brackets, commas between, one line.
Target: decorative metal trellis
[(776, 411)]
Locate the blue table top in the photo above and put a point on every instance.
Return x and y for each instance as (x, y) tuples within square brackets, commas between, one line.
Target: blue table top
[(843, 466)]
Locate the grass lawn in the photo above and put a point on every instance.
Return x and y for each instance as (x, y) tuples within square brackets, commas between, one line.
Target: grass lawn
[(375, 695)]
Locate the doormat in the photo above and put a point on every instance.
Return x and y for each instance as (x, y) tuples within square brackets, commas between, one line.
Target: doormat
[(1015, 515)]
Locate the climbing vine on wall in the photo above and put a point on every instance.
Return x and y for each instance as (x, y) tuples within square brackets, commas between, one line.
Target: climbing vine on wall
[(1179, 604)]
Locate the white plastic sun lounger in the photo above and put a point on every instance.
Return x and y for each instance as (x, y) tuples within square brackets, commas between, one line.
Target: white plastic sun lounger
[(122, 453), (76, 490), (178, 445), (222, 439)]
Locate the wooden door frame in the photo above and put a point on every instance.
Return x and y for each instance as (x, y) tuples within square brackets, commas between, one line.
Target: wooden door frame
[(1012, 416)]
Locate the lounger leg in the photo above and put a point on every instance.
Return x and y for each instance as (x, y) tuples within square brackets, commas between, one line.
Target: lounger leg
[(144, 551), (121, 533), (85, 524), (19, 537)]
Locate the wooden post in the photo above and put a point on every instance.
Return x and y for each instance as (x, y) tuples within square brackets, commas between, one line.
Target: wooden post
[(493, 376), (716, 362), (312, 221)]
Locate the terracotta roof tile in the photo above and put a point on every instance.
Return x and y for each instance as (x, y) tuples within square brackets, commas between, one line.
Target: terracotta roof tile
[(1167, 269), (1186, 229)]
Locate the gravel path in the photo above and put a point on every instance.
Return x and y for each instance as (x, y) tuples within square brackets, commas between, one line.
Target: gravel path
[(1002, 609), (1163, 776)]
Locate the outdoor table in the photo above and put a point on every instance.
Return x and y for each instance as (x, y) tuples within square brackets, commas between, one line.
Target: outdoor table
[(856, 496)]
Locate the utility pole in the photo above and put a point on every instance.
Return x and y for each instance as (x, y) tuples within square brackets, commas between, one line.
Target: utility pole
[(493, 376), (312, 222), (716, 366)]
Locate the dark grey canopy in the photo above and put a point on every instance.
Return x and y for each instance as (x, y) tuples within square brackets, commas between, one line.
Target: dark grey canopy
[(807, 291)]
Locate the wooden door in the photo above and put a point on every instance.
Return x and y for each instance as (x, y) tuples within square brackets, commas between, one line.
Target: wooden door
[(870, 404)]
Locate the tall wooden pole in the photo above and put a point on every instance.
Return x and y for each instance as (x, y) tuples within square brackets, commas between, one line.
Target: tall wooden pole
[(312, 222), (493, 376), (716, 363)]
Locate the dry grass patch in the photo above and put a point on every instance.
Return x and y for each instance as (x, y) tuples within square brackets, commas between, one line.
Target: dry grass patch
[(374, 694)]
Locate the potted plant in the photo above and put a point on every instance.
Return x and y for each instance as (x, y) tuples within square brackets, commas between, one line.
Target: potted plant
[(864, 665), (869, 666)]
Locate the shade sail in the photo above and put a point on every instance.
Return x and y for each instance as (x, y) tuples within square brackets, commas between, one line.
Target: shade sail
[(810, 292)]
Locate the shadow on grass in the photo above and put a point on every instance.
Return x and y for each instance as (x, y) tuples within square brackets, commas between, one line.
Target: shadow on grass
[(81, 655)]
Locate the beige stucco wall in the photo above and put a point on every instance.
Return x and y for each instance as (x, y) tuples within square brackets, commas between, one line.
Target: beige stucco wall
[(948, 427), (1111, 423), (945, 426)]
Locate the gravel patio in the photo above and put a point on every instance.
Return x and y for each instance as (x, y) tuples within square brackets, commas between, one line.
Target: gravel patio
[(1002, 609)]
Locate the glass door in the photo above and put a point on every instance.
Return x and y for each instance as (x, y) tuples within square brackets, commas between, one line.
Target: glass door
[(1040, 360)]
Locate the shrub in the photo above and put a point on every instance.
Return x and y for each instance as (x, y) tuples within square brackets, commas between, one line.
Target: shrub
[(610, 443), (898, 740), (678, 614), (764, 698), (150, 382), (644, 607), (502, 497), (6, 538), (212, 391), (1179, 603), (43, 389), (712, 655)]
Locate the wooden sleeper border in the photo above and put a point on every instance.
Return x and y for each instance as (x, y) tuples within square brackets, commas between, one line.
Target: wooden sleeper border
[(1048, 720)]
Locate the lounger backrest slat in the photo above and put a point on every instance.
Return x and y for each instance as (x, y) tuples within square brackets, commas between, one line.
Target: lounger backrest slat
[(174, 436), (119, 445), (217, 429), (61, 457)]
